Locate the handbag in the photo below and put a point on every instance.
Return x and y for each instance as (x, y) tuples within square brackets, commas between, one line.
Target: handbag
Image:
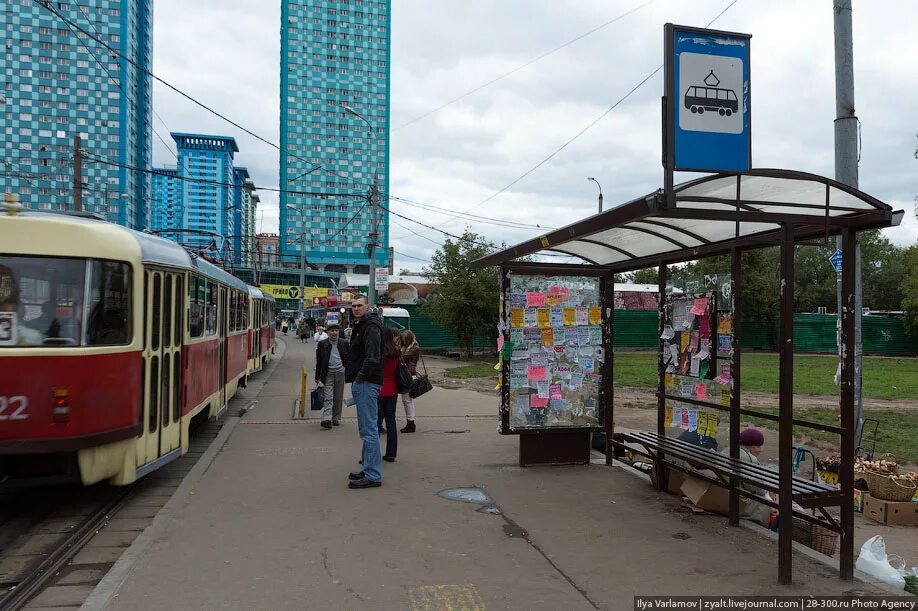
[(316, 398), (421, 383), (403, 379)]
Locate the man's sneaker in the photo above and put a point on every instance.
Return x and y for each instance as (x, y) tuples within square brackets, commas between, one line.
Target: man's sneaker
[(336, 423), (326, 424), (364, 483), (354, 476)]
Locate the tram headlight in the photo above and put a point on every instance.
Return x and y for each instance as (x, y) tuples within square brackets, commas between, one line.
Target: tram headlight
[(61, 412)]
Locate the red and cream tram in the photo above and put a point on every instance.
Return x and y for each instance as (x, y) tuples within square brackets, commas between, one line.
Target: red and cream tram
[(111, 341)]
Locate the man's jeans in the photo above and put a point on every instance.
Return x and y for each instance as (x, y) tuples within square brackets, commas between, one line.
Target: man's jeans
[(366, 396), (334, 395)]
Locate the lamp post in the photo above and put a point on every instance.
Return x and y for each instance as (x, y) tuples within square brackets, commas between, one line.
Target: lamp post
[(374, 193), (590, 178), (302, 261)]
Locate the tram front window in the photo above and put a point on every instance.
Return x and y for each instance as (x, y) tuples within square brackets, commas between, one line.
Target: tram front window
[(43, 302)]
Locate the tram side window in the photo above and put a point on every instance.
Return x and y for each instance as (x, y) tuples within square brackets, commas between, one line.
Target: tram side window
[(109, 321), (197, 308), (41, 301), (212, 292)]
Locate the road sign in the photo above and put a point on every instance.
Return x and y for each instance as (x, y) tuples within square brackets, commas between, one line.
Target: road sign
[(382, 279), (707, 100), (836, 260)]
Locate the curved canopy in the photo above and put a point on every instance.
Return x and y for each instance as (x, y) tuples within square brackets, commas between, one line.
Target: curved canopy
[(710, 215)]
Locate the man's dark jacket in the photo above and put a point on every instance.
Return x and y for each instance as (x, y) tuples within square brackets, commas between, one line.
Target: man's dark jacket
[(365, 363), (323, 354)]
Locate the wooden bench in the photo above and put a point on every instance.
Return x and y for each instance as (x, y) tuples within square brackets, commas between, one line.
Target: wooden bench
[(807, 493)]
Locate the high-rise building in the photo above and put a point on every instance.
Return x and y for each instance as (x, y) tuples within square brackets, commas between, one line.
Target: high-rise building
[(56, 85), (334, 53), (250, 201), (241, 201), (202, 201)]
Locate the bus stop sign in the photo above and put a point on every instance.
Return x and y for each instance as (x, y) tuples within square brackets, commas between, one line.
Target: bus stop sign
[(707, 108)]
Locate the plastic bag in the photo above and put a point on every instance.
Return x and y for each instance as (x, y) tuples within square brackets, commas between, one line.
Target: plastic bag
[(873, 561)]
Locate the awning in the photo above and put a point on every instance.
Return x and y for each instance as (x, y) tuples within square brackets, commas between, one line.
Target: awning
[(708, 216)]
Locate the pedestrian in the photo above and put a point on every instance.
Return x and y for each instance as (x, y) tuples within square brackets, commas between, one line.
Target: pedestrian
[(388, 392), (364, 371), (311, 324), (277, 323), (302, 330), (411, 353), (284, 322), (320, 334), (332, 354)]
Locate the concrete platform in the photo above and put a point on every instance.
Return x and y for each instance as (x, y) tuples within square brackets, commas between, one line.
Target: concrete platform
[(271, 524)]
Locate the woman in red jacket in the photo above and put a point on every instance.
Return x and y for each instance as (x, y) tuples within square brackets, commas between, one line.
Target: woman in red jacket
[(388, 393)]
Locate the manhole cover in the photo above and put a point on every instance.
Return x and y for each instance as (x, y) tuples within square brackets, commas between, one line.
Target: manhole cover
[(466, 495)]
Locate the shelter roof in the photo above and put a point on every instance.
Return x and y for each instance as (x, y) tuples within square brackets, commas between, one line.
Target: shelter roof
[(708, 216)]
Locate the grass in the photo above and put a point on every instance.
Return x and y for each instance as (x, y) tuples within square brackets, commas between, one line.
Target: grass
[(484, 369), (897, 433), (884, 378)]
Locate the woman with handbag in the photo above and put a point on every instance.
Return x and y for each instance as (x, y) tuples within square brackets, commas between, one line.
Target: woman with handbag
[(388, 392), (411, 352)]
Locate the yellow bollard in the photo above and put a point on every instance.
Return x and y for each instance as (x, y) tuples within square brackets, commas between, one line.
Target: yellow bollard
[(303, 380)]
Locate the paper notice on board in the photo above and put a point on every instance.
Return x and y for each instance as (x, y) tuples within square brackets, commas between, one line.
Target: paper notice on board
[(586, 362), (700, 306), (693, 343), (556, 317), (554, 391), (668, 381), (595, 316), (582, 315), (535, 300), (537, 372), (538, 357), (695, 367), (704, 348), (702, 423), (522, 403), (542, 388), (677, 417), (704, 326), (538, 402), (530, 317), (553, 300), (500, 343), (725, 377), (547, 336), (517, 300), (517, 317), (519, 380), (668, 333), (725, 344), (693, 420), (701, 391), (519, 354), (595, 335), (563, 371), (544, 317), (516, 336), (685, 419), (576, 381), (558, 336), (725, 397), (712, 424), (583, 336), (668, 418), (725, 326), (684, 338), (570, 317), (519, 367), (685, 388), (679, 312)]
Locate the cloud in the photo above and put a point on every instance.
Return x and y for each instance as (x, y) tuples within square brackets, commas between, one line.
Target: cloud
[(226, 54)]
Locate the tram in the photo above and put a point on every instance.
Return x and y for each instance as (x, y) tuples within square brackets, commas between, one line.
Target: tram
[(111, 342)]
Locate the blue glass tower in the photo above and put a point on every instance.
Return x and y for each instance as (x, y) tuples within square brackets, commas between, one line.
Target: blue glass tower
[(333, 53), (200, 194), (240, 208), (53, 88)]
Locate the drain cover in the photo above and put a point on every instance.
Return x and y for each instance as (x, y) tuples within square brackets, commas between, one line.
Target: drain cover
[(466, 495)]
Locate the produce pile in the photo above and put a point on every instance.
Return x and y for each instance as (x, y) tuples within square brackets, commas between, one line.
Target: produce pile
[(880, 467)]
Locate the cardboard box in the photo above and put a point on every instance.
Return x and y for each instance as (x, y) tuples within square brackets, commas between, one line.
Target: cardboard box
[(859, 500), (705, 495), (890, 512)]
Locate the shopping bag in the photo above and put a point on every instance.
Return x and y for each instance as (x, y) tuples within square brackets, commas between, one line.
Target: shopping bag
[(421, 383), (316, 399)]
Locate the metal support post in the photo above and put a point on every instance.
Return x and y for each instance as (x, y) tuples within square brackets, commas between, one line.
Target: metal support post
[(846, 171), (77, 174), (374, 236), (302, 267), (659, 465), (736, 276), (850, 314), (786, 410)]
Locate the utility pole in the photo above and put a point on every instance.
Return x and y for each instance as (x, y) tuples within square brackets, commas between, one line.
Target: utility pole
[(846, 160), (371, 289), (302, 267), (77, 174)]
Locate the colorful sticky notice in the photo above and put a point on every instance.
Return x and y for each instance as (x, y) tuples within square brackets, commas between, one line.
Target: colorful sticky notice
[(712, 424), (553, 300), (570, 317), (537, 401), (520, 354), (519, 367), (554, 391), (677, 417), (595, 316), (702, 423), (537, 372), (725, 343), (686, 388), (559, 336), (582, 315), (576, 381), (542, 388), (517, 300), (684, 338), (518, 381), (535, 300), (668, 381), (704, 326), (538, 357), (595, 335), (517, 336), (563, 371), (725, 326), (563, 291), (544, 317), (684, 423), (701, 391), (586, 362), (669, 414), (693, 420), (548, 336), (531, 318), (517, 317), (700, 306), (725, 376), (500, 343), (725, 397), (557, 317)]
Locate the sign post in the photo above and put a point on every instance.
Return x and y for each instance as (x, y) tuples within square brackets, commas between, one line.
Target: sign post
[(706, 106), (382, 279)]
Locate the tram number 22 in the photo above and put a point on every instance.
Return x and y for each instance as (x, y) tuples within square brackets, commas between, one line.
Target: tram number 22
[(14, 408)]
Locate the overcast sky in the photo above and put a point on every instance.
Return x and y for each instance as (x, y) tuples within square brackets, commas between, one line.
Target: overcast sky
[(225, 53)]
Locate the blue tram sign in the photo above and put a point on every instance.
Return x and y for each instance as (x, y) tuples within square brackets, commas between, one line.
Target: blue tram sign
[(707, 107)]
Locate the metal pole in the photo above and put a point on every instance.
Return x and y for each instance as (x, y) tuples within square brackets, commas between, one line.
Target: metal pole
[(77, 174), (371, 289), (302, 266), (736, 294), (846, 127), (848, 378), (786, 410)]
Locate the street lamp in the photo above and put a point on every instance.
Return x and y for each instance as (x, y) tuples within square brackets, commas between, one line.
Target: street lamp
[(302, 260), (590, 178), (374, 193)]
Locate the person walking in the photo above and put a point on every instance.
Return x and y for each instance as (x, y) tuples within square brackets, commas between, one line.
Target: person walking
[(388, 392), (331, 355), (364, 371), (302, 330), (320, 334), (284, 323), (411, 353)]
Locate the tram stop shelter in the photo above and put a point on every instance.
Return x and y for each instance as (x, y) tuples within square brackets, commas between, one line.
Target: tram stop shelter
[(719, 214)]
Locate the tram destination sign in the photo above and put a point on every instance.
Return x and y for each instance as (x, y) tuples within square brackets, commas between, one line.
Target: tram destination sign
[(707, 118)]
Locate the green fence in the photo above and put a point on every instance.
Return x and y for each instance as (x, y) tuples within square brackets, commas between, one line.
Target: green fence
[(431, 334), (812, 333)]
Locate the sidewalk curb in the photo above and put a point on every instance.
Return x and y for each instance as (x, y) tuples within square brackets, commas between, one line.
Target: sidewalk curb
[(108, 588)]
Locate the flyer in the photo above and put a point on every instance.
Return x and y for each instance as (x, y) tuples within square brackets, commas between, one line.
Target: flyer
[(595, 316), (559, 336), (582, 315), (535, 300), (548, 336), (531, 318), (538, 401), (542, 388), (543, 317), (538, 372), (517, 318), (570, 317), (556, 317)]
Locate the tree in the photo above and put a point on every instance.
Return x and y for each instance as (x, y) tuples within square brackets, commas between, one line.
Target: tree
[(651, 275), (909, 289), (465, 302)]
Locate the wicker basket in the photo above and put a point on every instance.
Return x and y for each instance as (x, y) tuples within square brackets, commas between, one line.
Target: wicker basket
[(816, 537), (885, 488)]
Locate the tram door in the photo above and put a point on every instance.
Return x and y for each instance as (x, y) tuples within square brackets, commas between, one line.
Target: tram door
[(222, 326), (161, 355)]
